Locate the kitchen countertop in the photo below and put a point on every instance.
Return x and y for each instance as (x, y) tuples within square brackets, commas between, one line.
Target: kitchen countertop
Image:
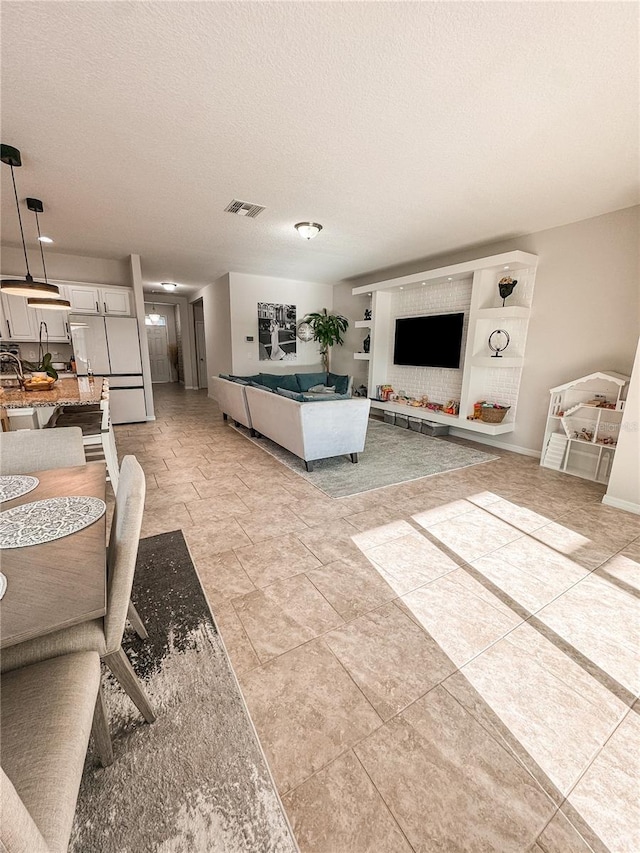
[(66, 392)]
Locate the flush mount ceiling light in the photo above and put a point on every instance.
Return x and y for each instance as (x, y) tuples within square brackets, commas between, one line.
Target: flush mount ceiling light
[(58, 304), (308, 230), (169, 285), (44, 239), (27, 286)]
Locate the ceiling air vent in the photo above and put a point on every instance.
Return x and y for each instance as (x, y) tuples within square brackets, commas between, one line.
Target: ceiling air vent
[(244, 208)]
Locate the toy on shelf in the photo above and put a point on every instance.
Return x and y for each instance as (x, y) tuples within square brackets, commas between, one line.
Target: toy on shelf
[(384, 392), (452, 407), (367, 313)]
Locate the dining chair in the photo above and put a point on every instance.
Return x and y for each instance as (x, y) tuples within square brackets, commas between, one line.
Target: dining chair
[(47, 712), (104, 635), (30, 450)]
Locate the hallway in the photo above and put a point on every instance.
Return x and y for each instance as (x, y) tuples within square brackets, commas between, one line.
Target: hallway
[(447, 664)]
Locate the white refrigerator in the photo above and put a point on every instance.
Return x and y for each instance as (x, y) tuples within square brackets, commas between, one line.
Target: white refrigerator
[(110, 346)]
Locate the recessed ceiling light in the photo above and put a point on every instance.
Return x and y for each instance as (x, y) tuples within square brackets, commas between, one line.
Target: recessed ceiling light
[(506, 268), (449, 279), (44, 239), (424, 283), (169, 285), (402, 288)]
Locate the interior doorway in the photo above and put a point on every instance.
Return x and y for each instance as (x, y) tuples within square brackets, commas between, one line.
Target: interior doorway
[(201, 344), (158, 340)]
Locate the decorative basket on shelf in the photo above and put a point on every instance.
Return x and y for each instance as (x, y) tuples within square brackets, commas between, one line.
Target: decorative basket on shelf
[(493, 414)]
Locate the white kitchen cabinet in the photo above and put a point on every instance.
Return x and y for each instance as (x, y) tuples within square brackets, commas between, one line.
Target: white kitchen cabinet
[(57, 325), (109, 301), (115, 301), (84, 299), (20, 321)]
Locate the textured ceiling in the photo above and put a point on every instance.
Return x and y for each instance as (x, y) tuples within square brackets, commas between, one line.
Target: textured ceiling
[(406, 129)]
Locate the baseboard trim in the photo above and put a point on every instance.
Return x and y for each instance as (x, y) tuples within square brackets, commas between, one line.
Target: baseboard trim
[(150, 418), (191, 388), (493, 442), (618, 503)]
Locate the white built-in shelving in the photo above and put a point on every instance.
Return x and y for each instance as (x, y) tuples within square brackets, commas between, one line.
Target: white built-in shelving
[(362, 356), (362, 324), (483, 376), (583, 425)]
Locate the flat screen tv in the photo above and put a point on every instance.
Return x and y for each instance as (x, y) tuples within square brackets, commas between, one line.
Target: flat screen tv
[(433, 341)]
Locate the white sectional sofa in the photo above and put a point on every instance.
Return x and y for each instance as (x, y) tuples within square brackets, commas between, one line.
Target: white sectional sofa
[(311, 430)]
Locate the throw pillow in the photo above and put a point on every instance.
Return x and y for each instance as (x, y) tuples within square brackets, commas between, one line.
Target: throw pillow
[(292, 395), (341, 382), (323, 389), (307, 380), (324, 398), (224, 376), (262, 387), (247, 380), (286, 380)]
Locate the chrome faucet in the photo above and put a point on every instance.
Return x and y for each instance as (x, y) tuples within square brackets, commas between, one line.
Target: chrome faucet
[(10, 357)]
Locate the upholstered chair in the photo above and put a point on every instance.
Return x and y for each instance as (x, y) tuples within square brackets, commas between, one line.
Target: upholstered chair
[(48, 710), (30, 450), (104, 635)]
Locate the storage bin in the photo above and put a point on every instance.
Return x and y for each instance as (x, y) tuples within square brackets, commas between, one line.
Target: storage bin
[(431, 428), (389, 417), (415, 424), (402, 421)]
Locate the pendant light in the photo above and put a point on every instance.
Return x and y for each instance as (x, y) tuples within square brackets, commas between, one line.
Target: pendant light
[(56, 304), (15, 286)]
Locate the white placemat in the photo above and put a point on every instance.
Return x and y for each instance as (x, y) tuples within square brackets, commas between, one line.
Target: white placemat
[(44, 521), (15, 485)]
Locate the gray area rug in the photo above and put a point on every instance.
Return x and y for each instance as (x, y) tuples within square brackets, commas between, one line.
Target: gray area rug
[(391, 455), (196, 780)]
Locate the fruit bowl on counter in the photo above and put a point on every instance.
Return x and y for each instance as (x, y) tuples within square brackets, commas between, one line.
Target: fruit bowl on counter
[(39, 382)]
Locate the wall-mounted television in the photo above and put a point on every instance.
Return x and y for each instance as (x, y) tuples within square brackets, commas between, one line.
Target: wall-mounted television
[(432, 341)]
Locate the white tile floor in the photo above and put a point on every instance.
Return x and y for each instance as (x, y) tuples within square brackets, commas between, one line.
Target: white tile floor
[(449, 664)]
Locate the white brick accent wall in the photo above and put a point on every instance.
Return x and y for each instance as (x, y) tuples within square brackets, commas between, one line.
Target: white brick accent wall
[(440, 383)]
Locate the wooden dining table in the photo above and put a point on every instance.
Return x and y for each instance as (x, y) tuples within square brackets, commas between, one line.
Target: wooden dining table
[(63, 582)]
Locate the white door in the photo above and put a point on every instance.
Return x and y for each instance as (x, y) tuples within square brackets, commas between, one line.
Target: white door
[(90, 344), (115, 300), (201, 354), (124, 344), (158, 356)]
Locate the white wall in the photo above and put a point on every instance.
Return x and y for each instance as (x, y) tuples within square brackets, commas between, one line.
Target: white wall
[(217, 325), (585, 315), (246, 291), (623, 490), (342, 360), (68, 267)]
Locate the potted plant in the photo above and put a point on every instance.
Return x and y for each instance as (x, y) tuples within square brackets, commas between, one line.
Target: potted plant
[(328, 330), (43, 365)]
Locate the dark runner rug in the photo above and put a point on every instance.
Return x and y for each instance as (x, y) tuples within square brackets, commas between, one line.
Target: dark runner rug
[(196, 779)]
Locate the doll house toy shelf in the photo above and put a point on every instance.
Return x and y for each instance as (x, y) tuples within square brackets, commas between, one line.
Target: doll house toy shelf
[(583, 425)]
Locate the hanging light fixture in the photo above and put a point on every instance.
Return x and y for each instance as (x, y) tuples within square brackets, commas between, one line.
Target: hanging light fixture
[(56, 304), (308, 230), (15, 286)]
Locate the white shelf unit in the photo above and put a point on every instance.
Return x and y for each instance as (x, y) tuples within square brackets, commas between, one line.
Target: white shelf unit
[(483, 377), (362, 324), (577, 425), (362, 356)]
